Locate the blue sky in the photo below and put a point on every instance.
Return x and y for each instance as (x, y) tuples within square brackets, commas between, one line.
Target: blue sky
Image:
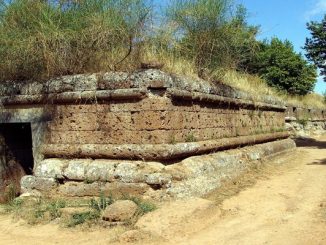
[(286, 19)]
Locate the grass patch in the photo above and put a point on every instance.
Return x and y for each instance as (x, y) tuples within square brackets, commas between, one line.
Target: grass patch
[(83, 217), (43, 39), (143, 205), (97, 206), (35, 210), (258, 89), (101, 204), (82, 211), (13, 206), (54, 208)]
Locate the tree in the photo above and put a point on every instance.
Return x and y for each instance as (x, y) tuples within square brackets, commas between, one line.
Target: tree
[(316, 45), (282, 68)]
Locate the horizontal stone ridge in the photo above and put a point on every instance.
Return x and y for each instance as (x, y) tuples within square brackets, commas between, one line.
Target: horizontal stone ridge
[(197, 96), (75, 97), (294, 113), (155, 151), (89, 83)]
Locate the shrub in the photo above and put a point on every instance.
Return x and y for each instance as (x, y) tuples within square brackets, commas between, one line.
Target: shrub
[(282, 68), (210, 34), (42, 39), (303, 121)]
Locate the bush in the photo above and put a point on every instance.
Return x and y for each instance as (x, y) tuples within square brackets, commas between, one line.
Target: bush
[(42, 39), (210, 34), (282, 68)]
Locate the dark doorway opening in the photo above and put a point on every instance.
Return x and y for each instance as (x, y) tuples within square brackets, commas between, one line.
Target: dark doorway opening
[(18, 140)]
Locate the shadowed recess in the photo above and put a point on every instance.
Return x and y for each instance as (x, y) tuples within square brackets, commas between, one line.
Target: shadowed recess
[(18, 138)]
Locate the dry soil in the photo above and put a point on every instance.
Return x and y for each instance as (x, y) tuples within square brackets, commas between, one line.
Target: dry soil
[(287, 207)]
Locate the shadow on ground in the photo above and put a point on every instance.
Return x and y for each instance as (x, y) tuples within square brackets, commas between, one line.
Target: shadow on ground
[(310, 142), (318, 162)]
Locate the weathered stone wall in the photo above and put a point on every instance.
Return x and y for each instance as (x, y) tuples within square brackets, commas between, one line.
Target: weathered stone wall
[(139, 113), (305, 121), (157, 120), (148, 118), (301, 113)]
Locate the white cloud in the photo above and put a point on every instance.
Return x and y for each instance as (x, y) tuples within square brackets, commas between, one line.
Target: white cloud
[(318, 8)]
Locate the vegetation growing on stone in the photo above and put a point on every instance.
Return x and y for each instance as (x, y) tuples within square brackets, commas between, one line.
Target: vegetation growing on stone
[(211, 35), (36, 210), (42, 39), (144, 206), (206, 38)]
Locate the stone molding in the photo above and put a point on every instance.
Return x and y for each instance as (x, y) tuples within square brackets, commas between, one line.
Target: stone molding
[(155, 151)]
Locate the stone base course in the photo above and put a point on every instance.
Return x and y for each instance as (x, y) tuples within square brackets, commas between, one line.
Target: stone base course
[(193, 176)]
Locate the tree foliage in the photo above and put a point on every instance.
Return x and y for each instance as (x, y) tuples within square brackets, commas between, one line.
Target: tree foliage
[(316, 45), (282, 68)]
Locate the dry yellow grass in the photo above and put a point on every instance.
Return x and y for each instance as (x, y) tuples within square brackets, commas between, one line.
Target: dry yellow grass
[(258, 88), (254, 85)]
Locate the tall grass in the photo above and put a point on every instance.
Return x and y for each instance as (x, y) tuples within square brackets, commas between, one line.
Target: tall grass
[(42, 39), (258, 89), (212, 33)]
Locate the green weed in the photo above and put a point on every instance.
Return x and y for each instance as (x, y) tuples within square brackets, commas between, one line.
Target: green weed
[(190, 138), (81, 218), (54, 208), (144, 206), (101, 204)]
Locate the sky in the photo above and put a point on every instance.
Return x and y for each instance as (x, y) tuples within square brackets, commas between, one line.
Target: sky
[(286, 19)]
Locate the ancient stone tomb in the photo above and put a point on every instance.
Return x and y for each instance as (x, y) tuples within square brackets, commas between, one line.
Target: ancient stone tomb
[(138, 133)]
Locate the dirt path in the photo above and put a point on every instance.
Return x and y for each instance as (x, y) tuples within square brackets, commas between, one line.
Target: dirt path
[(287, 208)]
